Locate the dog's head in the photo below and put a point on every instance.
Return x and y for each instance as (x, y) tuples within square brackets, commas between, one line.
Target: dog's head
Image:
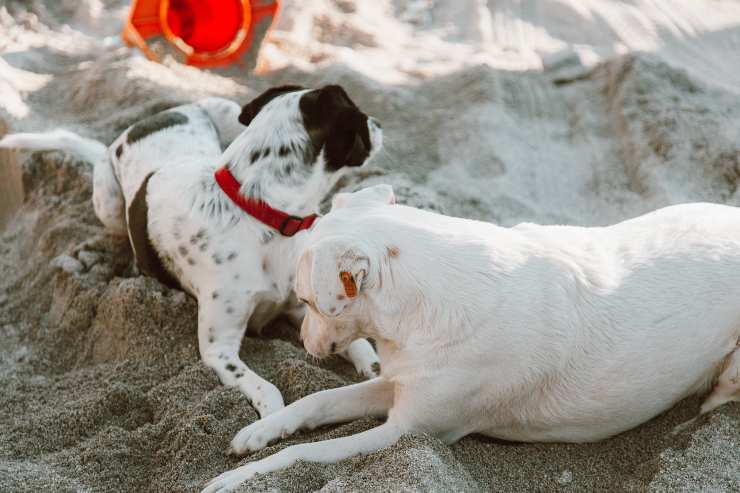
[(335, 274), (315, 124)]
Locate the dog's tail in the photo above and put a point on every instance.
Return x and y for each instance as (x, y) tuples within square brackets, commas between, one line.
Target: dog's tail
[(107, 194), (224, 114), (63, 140)]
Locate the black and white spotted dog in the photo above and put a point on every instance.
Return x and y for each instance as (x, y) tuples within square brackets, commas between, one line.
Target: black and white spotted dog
[(228, 226)]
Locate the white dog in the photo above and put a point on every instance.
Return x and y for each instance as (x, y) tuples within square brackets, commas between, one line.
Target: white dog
[(227, 226), (531, 333)]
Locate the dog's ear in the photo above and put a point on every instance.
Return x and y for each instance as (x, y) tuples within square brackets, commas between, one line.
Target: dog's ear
[(334, 122), (375, 195), (338, 269), (250, 110)]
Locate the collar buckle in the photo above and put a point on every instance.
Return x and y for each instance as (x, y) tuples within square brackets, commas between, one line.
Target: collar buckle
[(291, 225)]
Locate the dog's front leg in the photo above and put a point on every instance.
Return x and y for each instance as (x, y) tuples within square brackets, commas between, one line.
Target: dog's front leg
[(371, 398), (326, 452), (361, 354), (222, 321)]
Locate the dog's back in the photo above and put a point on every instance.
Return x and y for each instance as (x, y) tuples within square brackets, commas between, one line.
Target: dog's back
[(184, 137), (597, 329)]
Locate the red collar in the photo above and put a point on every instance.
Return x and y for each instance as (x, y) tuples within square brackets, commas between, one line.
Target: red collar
[(286, 224)]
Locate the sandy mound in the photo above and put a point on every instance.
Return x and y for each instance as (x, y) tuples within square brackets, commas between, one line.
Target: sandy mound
[(102, 388)]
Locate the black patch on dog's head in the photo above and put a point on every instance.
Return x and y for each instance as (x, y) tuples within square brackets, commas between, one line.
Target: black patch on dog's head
[(251, 109), (154, 124), (334, 122), (147, 260)]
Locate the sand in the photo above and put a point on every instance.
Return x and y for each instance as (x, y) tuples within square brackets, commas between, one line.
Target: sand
[(578, 112)]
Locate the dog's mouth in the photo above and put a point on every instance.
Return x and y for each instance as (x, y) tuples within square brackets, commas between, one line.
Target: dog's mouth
[(335, 347)]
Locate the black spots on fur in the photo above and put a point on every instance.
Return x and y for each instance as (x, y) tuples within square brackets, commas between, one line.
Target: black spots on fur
[(231, 367), (285, 170), (254, 156), (217, 259), (265, 265), (376, 368), (251, 109), (191, 261), (265, 152), (154, 124), (283, 151), (274, 286), (238, 375), (203, 247), (332, 309), (229, 310), (182, 250), (236, 276), (231, 256), (201, 235), (211, 339), (222, 356), (333, 347), (119, 151), (214, 295)]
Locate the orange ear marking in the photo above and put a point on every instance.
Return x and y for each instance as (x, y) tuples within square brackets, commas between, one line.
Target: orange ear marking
[(350, 288)]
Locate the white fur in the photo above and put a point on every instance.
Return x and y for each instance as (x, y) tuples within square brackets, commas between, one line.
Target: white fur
[(240, 270), (530, 333)]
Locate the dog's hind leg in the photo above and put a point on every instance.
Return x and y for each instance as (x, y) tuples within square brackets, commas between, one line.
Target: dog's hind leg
[(108, 199), (222, 320), (728, 384), (726, 390)]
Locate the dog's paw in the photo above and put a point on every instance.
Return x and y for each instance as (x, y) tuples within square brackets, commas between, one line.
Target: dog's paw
[(230, 479), (363, 357), (369, 370), (265, 397), (261, 433)]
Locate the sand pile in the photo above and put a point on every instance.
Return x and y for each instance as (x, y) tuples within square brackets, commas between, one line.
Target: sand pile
[(503, 114)]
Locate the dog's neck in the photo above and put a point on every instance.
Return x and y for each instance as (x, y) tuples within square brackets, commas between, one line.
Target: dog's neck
[(288, 175)]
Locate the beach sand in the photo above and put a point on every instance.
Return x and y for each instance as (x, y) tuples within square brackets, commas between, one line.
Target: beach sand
[(575, 112)]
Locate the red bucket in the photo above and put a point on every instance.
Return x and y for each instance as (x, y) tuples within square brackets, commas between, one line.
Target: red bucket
[(209, 33)]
